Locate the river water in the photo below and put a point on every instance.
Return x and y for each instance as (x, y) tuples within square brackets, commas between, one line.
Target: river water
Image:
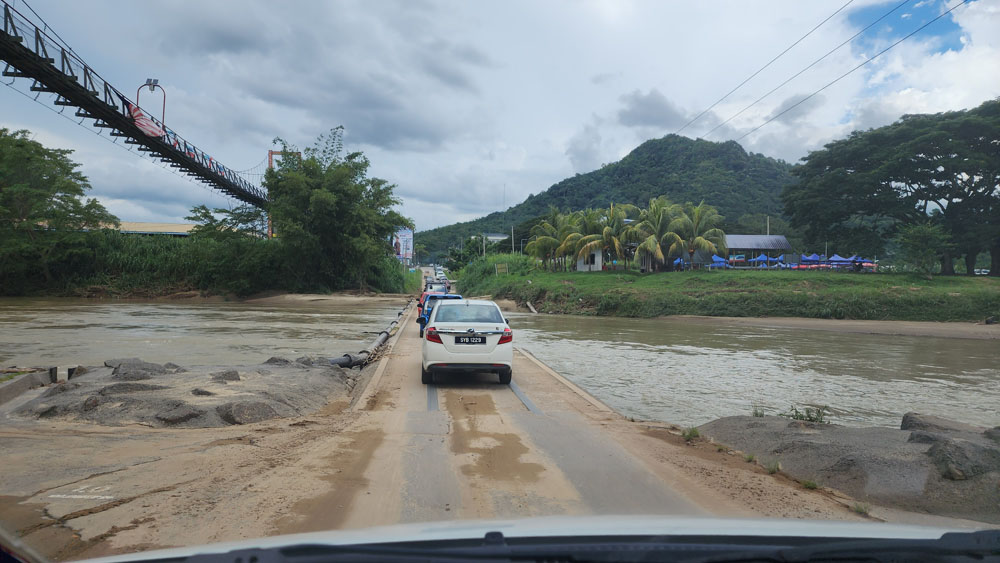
[(690, 373), (670, 370), (86, 332)]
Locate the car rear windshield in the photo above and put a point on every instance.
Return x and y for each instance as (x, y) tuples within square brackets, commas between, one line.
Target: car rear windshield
[(453, 313)]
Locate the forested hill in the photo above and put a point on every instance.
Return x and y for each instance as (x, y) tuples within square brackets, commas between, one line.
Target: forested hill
[(683, 169)]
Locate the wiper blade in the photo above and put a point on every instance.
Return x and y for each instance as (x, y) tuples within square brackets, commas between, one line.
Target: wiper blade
[(982, 546)]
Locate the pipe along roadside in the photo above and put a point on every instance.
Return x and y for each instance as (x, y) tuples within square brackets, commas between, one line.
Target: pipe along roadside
[(366, 355)]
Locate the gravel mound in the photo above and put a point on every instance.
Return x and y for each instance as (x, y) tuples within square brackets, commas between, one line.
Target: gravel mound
[(930, 464)]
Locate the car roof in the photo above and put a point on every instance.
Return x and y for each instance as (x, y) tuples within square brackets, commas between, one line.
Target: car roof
[(473, 302)]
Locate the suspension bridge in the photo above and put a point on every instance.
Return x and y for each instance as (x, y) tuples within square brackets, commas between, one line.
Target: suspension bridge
[(54, 68)]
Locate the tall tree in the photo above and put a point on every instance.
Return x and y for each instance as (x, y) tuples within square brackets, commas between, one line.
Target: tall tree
[(944, 165), (333, 220), (44, 215)]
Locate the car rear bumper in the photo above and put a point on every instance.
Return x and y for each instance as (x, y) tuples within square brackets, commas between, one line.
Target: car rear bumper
[(443, 367)]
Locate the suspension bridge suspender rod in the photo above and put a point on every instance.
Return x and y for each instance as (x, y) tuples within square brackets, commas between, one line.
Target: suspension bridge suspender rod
[(78, 85)]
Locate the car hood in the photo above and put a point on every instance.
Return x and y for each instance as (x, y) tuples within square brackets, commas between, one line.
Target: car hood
[(564, 526)]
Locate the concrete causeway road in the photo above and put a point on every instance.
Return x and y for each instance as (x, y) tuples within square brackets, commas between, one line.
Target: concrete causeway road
[(469, 447)]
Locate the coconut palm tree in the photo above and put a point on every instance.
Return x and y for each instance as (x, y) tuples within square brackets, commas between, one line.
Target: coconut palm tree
[(652, 229), (604, 232), (695, 228)]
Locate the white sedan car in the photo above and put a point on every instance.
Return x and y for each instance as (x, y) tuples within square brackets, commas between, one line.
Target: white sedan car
[(467, 335)]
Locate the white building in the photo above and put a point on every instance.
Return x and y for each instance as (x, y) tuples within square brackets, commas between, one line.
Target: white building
[(593, 262)]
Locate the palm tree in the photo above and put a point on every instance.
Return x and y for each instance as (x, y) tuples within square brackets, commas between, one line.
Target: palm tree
[(652, 229), (606, 229), (695, 228)]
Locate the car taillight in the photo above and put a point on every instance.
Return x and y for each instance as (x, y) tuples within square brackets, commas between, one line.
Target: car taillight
[(432, 335), (506, 337)]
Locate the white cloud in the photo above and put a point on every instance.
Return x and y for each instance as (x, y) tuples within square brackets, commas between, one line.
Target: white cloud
[(455, 101)]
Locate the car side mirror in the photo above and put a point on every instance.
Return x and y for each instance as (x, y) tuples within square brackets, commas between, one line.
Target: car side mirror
[(421, 321)]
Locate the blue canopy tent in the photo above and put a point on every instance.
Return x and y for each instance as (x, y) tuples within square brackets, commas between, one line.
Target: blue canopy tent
[(718, 262), (838, 259), (811, 258)]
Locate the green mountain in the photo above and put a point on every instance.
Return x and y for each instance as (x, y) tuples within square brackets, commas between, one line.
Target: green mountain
[(683, 169)]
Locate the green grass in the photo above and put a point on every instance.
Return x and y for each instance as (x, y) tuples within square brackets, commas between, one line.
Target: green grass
[(413, 282), (773, 467), (861, 508), (809, 484), (690, 434), (8, 376), (756, 410), (809, 414), (813, 294), (749, 458)]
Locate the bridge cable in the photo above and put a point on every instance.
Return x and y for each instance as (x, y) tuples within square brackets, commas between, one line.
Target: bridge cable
[(761, 69), (114, 142), (838, 79)]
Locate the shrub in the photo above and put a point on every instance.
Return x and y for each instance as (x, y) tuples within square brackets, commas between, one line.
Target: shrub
[(809, 414)]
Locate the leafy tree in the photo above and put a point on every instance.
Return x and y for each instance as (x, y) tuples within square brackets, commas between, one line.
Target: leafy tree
[(333, 221), (921, 245), (44, 216), (219, 223), (857, 192)]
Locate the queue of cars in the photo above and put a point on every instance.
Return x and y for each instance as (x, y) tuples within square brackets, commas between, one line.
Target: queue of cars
[(462, 335)]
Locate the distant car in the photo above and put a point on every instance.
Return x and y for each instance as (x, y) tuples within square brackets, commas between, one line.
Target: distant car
[(423, 297), (465, 335), (428, 306), (437, 286)]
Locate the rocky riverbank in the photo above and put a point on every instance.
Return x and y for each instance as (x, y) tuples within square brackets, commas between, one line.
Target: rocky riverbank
[(930, 464), (132, 391)]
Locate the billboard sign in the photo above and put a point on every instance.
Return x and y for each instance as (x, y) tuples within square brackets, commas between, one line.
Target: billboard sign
[(402, 244)]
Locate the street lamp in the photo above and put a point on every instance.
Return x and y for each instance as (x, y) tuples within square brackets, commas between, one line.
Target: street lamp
[(153, 83)]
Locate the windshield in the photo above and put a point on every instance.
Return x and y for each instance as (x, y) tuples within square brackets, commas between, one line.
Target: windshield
[(705, 268)]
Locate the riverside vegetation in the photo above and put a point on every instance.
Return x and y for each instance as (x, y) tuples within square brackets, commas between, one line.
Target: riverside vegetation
[(333, 224), (750, 293)]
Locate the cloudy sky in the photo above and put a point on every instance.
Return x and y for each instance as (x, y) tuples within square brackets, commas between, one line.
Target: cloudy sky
[(470, 106)]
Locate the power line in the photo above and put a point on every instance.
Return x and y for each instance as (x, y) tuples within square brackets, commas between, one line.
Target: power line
[(835, 80), (814, 63), (761, 69)]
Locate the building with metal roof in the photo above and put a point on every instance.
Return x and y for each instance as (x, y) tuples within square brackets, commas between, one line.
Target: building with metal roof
[(757, 243), (169, 229)]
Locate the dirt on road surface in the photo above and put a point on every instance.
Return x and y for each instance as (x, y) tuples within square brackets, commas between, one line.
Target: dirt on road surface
[(396, 452)]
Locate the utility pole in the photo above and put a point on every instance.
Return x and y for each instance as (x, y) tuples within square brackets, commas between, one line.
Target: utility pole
[(512, 239)]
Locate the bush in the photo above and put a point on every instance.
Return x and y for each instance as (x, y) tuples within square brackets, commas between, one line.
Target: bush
[(810, 414), (690, 434)]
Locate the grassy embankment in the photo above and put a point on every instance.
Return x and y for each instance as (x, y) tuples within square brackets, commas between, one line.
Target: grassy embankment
[(732, 293)]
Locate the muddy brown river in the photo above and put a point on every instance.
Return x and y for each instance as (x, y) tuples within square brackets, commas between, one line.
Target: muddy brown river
[(671, 370)]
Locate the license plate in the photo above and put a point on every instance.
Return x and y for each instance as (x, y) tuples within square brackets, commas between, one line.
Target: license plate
[(470, 340)]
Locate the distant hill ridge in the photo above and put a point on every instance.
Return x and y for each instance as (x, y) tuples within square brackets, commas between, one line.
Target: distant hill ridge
[(683, 169)]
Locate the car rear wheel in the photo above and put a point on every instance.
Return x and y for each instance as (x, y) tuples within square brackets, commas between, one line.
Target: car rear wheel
[(426, 376), (505, 377)]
